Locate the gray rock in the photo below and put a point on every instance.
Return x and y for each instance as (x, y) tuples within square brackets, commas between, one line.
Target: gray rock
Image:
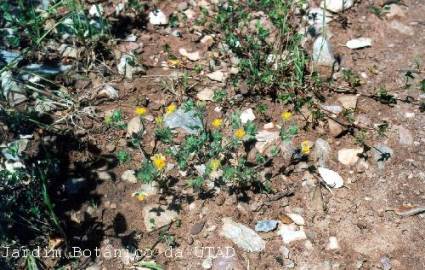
[(322, 52), (381, 154), (266, 225), (321, 152), (242, 236), (156, 216), (197, 228), (188, 121), (134, 126)]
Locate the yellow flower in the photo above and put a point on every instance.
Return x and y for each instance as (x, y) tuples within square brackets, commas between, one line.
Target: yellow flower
[(217, 122), (215, 164), (159, 161), (159, 120), (305, 147), (171, 108), (140, 196), (140, 111), (240, 133), (174, 62), (286, 115)]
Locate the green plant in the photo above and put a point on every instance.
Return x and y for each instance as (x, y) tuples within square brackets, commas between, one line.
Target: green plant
[(122, 156), (351, 78)]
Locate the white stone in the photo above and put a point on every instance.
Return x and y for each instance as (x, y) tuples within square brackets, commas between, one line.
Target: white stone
[(134, 126), (298, 219), (247, 115), (331, 178), (322, 52), (333, 243), (108, 91), (129, 176), (242, 236), (205, 95), (157, 17), (337, 5), (96, 10), (218, 76), (348, 156), (290, 234), (359, 43), (335, 109), (193, 56)]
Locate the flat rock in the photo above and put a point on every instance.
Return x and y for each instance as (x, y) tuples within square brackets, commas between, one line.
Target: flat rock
[(348, 101), (337, 5), (156, 216), (188, 121), (265, 140), (205, 95), (192, 56), (348, 156), (266, 225), (359, 43), (218, 76), (244, 237)]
